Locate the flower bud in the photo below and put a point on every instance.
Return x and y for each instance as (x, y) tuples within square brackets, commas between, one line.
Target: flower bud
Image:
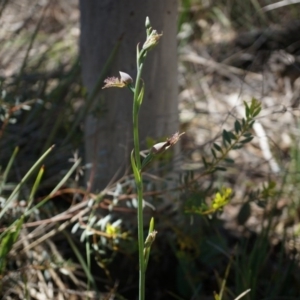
[(160, 147), (126, 78), (147, 24), (152, 40)]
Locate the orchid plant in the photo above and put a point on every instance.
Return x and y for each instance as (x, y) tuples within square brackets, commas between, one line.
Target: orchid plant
[(137, 89)]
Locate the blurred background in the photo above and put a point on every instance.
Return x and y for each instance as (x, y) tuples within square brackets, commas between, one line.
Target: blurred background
[(82, 244)]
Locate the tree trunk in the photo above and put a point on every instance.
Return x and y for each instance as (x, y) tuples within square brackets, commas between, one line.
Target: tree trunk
[(108, 136)]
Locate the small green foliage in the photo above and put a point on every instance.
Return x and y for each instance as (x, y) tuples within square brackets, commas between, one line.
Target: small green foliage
[(253, 110), (9, 237), (226, 137), (261, 195), (13, 217), (268, 190), (234, 139), (220, 199), (231, 140)]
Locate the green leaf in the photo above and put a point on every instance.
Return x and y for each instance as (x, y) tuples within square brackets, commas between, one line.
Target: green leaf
[(147, 159), (35, 187), (151, 225), (237, 126), (247, 110), (232, 135), (251, 124), (256, 112), (243, 122), (220, 169), (216, 296), (237, 146), (247, 134), (56, 188), (23, 181), (214, 153), (254, 109), (226, 136), (9, 237), (8, 167), (247, 140), (217, 147), (148, 242), (141, 95), (134, 167), (229, 160)]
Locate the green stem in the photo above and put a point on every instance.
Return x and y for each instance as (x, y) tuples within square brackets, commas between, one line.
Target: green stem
[(139, 184)]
